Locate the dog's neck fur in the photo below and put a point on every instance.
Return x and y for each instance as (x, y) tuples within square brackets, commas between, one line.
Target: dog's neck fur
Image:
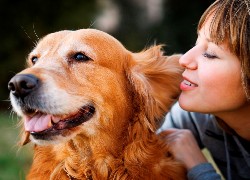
[(131, 151), (110, 159)]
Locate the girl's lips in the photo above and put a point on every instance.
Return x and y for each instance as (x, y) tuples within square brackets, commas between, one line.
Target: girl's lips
[(187, 85)]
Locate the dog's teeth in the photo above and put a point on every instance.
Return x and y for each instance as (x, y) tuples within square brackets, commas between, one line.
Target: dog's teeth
[(50, 123), (55, 119)]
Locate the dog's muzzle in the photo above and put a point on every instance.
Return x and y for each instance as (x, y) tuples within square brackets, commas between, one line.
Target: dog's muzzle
[(25, 90)]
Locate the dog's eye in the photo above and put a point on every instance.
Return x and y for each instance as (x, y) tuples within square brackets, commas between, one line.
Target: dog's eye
[(34, 59), (81, 57)]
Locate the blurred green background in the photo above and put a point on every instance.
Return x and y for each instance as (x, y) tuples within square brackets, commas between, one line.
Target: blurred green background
[(136, 23)]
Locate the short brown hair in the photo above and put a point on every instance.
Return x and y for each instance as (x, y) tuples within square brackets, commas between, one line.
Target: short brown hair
[(231, 24)]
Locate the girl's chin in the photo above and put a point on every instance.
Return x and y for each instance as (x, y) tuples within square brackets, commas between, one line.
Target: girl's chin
[(191, 106), (184, 104), (187, 104)]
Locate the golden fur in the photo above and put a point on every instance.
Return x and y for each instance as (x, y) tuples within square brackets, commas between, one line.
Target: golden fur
[(130, 93)]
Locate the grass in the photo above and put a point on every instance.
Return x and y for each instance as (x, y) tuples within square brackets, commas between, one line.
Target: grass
[(14, 160)]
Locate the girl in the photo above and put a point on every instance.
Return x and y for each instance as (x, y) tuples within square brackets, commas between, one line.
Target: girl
[(213, 110)]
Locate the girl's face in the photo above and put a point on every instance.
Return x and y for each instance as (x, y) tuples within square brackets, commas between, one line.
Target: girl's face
[(212, 77)]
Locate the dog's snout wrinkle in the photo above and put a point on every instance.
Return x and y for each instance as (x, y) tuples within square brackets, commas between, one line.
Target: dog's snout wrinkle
[(22, 84)]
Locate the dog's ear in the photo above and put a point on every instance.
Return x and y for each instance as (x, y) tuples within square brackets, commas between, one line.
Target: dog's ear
[(155, 79)]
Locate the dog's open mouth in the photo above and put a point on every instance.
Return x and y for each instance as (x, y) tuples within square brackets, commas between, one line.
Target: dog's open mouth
[(41, 123)]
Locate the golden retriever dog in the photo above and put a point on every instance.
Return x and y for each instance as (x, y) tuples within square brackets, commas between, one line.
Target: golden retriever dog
[(91, 107)]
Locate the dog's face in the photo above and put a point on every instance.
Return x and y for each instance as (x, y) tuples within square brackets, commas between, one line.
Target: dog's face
[(77, 82)]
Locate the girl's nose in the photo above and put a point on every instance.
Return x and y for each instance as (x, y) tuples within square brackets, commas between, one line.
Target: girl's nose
[(188, 60)]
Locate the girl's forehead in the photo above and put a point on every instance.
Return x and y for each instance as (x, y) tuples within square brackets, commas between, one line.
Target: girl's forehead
[(205, 34), (205, 30), (208, 30)]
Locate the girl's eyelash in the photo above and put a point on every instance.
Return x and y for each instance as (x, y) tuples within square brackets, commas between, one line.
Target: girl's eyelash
[(209, 56)]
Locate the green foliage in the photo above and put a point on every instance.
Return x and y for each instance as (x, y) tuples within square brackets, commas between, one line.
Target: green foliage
[(14, 160)]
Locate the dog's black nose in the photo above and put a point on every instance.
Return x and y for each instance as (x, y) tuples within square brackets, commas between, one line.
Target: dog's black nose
[(22, 84)]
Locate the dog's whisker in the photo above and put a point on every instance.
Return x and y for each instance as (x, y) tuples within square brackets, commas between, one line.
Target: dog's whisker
[(11, 114), (12, 72), (35, 33), (7, 100), (28, 36), (92, 24)]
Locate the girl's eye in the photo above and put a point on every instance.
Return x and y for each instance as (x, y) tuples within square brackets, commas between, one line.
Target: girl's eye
[(34, 59), (80, 57), (209, 56)]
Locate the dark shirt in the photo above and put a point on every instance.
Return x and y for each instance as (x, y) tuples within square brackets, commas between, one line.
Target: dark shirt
[(230, 152)]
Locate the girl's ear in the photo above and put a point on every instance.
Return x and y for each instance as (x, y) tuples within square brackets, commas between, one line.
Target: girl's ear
[(155, 78)]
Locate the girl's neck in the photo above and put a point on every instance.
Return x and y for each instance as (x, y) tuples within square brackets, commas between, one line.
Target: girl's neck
[(238, 120)]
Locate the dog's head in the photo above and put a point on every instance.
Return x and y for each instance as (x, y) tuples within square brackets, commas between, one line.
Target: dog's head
[(79, 82)]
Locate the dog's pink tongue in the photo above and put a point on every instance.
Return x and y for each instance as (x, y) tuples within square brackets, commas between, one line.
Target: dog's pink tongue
[(37, 123)]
